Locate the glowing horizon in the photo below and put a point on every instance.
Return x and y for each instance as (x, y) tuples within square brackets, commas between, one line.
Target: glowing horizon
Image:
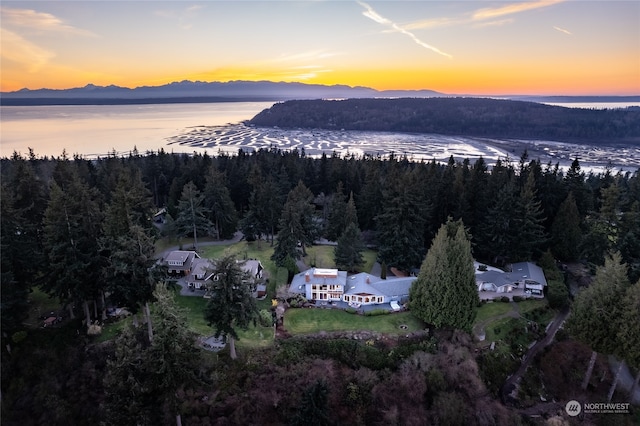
[(539, 47)]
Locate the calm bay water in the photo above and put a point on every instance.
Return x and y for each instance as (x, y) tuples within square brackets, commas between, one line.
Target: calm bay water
[(91, 130), (97, 130)]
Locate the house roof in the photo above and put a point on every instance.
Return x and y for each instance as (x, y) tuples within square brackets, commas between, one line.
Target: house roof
[(252, 266), (200, 267), (498, 278), (364, 283), (528, 271), (180, 256), (317, 276)]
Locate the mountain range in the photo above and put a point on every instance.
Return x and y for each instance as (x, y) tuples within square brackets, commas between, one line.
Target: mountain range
[(234, 91)]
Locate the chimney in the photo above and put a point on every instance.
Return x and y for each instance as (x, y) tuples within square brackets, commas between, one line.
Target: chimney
[(368, 280), (307, 278)]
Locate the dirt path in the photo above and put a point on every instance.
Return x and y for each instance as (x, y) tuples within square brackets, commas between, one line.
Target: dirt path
[(510, 388), (479, 330)]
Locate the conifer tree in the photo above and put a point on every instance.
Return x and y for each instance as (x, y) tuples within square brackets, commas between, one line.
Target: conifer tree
[(221, 210), (596, 312), (529, 233), (232, 306), (348, 252), (192, 214), (445, 293), (566, 232)]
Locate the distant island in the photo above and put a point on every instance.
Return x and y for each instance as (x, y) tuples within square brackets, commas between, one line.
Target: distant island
[(238, 91), (478, 117)]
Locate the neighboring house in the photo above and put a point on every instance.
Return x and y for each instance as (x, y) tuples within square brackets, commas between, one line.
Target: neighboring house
[(201, 274), (531, 276), (524, 279), (180, 262), (255, 270), (332, 285)]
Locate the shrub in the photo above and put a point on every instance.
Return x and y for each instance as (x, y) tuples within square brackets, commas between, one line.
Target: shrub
[(518, 298), (505, 299), (265, 318), (376, 312), (351, 310)]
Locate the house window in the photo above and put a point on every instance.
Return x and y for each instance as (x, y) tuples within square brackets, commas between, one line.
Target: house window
[(314, 287), (379, 299), (360, 299), (346, 298), (314, 295)]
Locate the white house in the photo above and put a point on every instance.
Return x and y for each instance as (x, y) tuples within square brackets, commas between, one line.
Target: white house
[(332, 285)]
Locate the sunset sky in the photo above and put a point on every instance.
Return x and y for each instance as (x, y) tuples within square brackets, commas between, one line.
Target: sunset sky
[(545, 47)]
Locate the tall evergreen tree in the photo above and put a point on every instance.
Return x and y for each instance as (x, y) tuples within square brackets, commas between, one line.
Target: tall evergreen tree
[(143, 379), (529, 233), (337, 214), (14, 305), (127, 245), (497, 234), (596, 312), (445, 293), (192, 214), (348, 252), (71, 235), (232, 306), (566, 232), (297, 225), (222, 212), (401, 225)]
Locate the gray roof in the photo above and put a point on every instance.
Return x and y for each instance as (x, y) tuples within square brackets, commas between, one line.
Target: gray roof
[(495, 277), (180, 256), (528, 271), (200, 267), (299, 280), (364, 283)]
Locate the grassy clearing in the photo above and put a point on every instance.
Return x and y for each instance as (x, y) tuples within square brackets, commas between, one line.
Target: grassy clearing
[(40, 304), (492, 309), (194, 310), (303, 321), (531, 304), (322, 257)]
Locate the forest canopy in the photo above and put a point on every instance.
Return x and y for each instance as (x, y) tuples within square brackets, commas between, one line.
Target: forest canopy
[(479, 117)]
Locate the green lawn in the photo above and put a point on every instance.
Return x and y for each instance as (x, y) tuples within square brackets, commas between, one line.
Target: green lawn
[(322, 257), (301, 321), (492, 309)]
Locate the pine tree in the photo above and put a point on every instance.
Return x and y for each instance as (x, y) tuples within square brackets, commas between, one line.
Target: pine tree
[(530, 234), (297, 225), (348, 252), (222, 212), (445, 293), (142, 379), (401, 225), (232, 305), (596, 312), (71, 235), (567, 235), (337, 214), (192, 214)]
